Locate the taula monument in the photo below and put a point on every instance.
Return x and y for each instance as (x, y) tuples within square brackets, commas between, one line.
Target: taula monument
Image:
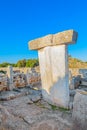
[(53, 59)]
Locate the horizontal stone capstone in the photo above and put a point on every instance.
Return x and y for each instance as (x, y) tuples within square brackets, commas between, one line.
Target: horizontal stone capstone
[(65, 37)]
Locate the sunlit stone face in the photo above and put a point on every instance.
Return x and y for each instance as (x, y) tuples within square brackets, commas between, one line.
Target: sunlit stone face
[(54, 74), (53, 59)]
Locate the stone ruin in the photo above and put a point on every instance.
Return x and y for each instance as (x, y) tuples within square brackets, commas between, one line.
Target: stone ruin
[(53, 59), (3, 82), (33, 77), (16, 79), (60, 90), (56, 78), (78, 81)]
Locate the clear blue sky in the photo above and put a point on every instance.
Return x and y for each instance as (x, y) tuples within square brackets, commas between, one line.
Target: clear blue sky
[(24, 20)]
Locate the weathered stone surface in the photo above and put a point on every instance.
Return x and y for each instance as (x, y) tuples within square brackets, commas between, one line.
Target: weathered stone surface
[(45, 126), (71, 105), (54, 74), (72, 92), (53, 59), (71, 81), (84, 82), (80, 111), (41, 42), (66, 37), (35, 98), (8, 95), (19, 80), (10, 77), (3, 82), (10, 122), (83, 72), (17, 114), (52, 125), (72, 84), (34, 78), (75, 82)]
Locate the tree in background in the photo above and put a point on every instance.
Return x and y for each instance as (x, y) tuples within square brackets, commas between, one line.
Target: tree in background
[(32, 63), (4, 64), (21, 63)]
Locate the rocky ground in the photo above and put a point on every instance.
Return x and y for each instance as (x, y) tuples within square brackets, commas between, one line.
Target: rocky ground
[(25, 109)]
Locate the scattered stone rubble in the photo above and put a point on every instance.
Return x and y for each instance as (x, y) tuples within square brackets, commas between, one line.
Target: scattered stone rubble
[(30, 112), (25, 109)]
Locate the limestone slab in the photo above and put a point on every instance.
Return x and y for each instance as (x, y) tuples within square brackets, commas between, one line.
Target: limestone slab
[(54, 74), (65, 37), (40, 42)]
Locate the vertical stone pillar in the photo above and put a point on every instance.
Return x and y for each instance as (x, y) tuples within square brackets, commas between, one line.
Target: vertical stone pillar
[(27, 77), (10, 77), (53, 59)]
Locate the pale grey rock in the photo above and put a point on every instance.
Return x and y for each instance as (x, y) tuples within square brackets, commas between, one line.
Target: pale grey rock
[(8, 95), (71, 105), (10, 77), (72, 92), (35, 98), (83, 81), (54, 74), (72, 84), (75, 82), (80, 111), (45, 104), (17, 114), (30, 102), (83, 72)]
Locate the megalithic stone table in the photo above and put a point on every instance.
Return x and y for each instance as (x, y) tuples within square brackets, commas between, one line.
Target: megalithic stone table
[(53, 60)]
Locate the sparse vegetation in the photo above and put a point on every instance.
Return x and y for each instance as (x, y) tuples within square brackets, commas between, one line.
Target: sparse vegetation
[(76, 63), (22, 63), (73, 63), (58, 108)]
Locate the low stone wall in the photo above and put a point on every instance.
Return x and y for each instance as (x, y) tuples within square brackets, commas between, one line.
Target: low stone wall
[(74, 71), (21, 69), (77, 71), (27, 76), (3, 82), (17, 79)]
